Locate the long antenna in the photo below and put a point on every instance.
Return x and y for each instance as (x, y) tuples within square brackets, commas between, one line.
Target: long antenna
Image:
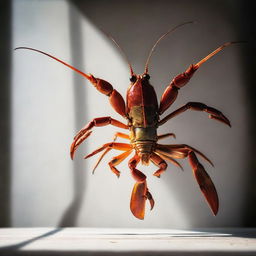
[(122, 51), (59, 60), (163, 36), (198, 64)]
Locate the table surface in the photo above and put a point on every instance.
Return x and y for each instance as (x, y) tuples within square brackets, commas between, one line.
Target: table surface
[(94, 241)]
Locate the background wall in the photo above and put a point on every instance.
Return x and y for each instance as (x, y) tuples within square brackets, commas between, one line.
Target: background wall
[(5, 101), (50, 103)]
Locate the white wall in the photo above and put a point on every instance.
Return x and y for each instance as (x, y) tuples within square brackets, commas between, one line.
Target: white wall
[(50, 103), (42, 114)]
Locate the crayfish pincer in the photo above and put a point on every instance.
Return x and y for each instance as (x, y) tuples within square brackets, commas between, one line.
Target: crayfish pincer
[(143, 116)]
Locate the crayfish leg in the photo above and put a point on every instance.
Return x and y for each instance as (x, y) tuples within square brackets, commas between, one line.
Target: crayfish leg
[(117, 134), (171, 160), (160, 163), (117, 160)]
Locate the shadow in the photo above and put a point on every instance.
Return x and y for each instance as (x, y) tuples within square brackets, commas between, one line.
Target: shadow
[(136, 33), (5, 105), (248, 59), (118, 244), (10, 250), (226, 232), (70, 216), (116, 248), (201, 232), (135, 253)]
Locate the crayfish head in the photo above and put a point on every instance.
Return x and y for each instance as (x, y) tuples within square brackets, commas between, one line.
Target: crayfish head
[(137, 79)]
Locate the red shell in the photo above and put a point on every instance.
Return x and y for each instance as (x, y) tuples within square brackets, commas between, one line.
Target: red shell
[(141, 93)]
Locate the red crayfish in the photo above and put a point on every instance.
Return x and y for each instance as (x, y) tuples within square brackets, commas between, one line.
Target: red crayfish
[(142, 114)]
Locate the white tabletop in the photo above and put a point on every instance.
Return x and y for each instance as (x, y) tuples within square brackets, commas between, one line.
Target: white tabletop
[(92, 241)]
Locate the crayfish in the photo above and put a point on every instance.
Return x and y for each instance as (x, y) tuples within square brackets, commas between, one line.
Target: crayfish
[(143, 116)]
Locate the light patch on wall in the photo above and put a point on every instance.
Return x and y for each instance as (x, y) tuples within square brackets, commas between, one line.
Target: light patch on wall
[(42, 114)]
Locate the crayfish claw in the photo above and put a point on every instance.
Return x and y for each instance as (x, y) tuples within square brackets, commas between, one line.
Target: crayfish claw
[(205, 183), (77, 142), (221, 118), (151, 199), (157, 174)]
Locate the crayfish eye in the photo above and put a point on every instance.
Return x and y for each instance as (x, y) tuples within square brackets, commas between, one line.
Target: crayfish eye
[(146, 76), (133, 79)]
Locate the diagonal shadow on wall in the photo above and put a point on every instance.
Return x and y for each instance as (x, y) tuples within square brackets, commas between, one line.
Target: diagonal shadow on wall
[(128, 27), (5, 102), (70, 216)]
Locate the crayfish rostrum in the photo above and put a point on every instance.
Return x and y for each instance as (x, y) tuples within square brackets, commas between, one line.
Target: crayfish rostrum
[(143, 117)]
